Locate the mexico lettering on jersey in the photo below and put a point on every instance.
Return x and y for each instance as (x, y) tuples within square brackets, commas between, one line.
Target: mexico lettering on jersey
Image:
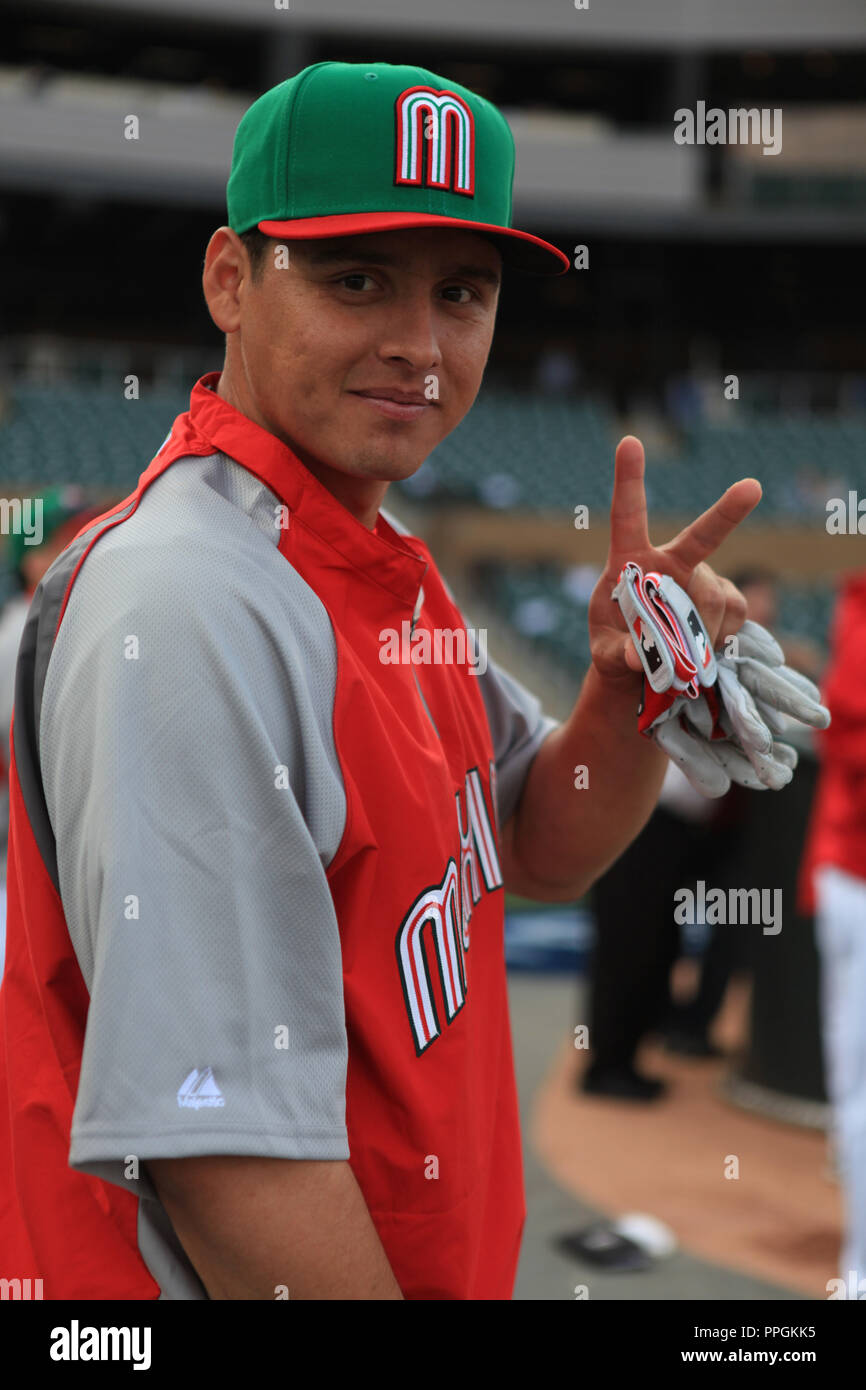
[(448, 908), (255, 895)]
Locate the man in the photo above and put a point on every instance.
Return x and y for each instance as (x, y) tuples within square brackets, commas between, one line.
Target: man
[(256, 971)]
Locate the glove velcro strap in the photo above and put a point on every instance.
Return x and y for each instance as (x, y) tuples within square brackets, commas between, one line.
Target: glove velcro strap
[(655, 707), (646, 631), (656, 632), (686, 625)]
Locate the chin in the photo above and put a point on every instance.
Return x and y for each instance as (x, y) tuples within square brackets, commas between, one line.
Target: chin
[(387, 465)]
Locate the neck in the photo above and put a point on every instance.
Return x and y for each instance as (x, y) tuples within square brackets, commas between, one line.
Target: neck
[(360, 496)]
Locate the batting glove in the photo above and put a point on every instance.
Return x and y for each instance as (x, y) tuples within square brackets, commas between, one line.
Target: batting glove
[(718, 716)]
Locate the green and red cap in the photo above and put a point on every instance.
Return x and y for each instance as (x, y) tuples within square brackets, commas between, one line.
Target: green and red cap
[(343, 149)]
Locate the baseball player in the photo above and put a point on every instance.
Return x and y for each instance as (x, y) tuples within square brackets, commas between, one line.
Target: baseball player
[(255, 1039)]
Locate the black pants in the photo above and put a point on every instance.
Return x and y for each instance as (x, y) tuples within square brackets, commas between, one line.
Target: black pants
[(638, 940)]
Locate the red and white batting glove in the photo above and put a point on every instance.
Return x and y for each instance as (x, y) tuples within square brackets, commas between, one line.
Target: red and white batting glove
[(714, 714)]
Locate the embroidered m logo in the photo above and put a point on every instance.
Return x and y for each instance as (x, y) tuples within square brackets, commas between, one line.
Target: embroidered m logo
[(442, 124), (437, 924)]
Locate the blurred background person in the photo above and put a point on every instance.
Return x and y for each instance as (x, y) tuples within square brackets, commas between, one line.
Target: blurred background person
[(834, 879), (637, 939), (688, 837), (64, 511), (726, 952)]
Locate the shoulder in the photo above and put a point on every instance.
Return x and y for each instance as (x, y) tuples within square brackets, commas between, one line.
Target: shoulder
[(189, 598), (198, 553)]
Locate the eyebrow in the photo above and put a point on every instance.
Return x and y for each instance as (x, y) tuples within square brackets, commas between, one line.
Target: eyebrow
[(331, 255)]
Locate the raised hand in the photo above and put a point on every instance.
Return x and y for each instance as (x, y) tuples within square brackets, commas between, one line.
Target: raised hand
[(720, 604)]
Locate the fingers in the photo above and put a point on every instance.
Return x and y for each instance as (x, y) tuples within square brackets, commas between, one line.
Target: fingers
[(632, 660), (629, 533), (734, 614), (784, 689), (706, 590), (696, 758), (719, 602), (706, 533), (756, 641), (614, 657), (748, 726)]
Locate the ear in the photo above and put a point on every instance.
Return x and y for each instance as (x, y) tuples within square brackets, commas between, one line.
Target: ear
[(227, 273)]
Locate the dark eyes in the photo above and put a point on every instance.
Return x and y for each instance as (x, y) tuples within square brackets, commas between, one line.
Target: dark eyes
[(461, 289), (346, 279), (354, 282)]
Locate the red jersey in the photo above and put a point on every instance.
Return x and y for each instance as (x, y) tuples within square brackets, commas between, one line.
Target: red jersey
[(255, 900)]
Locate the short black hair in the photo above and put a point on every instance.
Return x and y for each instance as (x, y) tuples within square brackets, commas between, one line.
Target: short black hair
[(257, 249)]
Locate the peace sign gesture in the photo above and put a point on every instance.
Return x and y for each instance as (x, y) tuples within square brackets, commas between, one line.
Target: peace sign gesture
[(719, 603)]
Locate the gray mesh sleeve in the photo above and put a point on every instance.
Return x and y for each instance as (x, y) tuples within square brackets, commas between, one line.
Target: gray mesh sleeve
[(196, 800), (518, 727)]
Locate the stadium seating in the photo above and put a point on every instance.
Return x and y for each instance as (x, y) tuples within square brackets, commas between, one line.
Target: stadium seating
[(538, 454), (548, 606), (82, 434), (513, 453)]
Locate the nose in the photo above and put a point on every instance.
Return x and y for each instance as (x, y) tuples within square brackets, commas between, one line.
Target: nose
[(411, 334)]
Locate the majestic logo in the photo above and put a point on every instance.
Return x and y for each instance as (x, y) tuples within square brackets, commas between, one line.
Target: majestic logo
[(445, 909), (200, 1089), (442, 124)]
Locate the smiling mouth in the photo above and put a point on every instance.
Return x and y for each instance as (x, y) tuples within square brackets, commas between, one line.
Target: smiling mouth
[(409, 407)]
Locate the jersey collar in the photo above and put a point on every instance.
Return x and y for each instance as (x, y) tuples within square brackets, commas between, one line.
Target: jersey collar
[(382, 554)]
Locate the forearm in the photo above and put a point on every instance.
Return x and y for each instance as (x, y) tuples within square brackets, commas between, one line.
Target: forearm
[(562, 837), (253, 1226)]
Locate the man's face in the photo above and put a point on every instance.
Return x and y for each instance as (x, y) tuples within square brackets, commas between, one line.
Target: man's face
[(367, 350)]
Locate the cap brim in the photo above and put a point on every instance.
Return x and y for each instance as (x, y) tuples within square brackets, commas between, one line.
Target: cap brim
[(521, 250)]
